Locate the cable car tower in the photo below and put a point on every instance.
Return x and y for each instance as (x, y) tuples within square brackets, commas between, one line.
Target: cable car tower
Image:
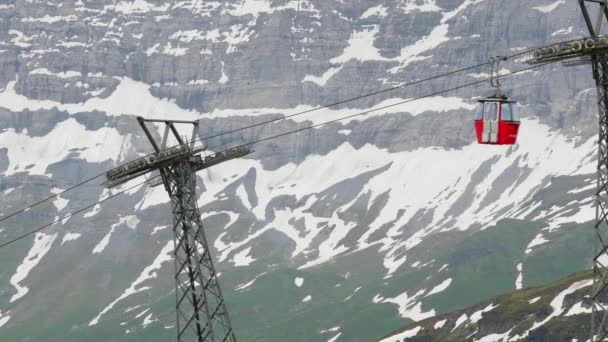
[(201, 310), (593, 50)]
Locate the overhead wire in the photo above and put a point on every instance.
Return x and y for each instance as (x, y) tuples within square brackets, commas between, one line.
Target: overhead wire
[(265, 123), (359, 97), (74, 213), (50, 197), (390, 105), (253, 142), (3, 218)]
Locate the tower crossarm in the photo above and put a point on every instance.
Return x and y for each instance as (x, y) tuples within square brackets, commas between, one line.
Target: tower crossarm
[(582, 48), (223, 156), (147, 164)]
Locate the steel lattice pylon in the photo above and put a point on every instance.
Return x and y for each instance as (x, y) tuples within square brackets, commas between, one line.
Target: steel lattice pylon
[(599, 62), (198, 292), (201, 311), (594, 50), (599, 324)]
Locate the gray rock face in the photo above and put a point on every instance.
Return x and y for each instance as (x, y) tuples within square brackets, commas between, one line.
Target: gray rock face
[(372, 212)]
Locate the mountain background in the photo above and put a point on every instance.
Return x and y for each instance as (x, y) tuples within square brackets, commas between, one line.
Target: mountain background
[(345, 232)]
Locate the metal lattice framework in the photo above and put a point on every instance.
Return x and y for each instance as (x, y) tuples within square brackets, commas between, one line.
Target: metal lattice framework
[(592, 50), (599, 325), (599, 61), (201, 309)]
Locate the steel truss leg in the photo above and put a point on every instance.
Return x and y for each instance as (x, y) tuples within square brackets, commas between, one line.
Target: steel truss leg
[(201, 311), (599, 296), (599, 323)]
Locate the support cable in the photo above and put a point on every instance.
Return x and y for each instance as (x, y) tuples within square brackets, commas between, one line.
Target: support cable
[(279, 136), (279, 119), (74, 213), (363, 96), (388, 106), (51, 197)]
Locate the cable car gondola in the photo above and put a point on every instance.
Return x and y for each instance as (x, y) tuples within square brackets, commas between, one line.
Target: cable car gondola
[(497, 122)]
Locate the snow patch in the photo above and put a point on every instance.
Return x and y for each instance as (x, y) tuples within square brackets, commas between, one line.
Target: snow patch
[(376, 11), (299, 281), (495, 337), (439, 324), (403, 335), (64, 74), (562, 32), (477, 315), (154, 195), (131, 221), (408, 306), (42, 245), (335, 338), (460, 320), (166, 254), (352, 294), (591, 186), (538, 240), (70, 237), (519, 282), (361, 47), (139, 6), (224, 78), (142, 313), (158, 229), (392, 263), (322, 80), (33, 154), (59, 203), (93, 211), (245, 286), (550, 7), (440, 288), (578, 309), (242, 258), (120, 102), (257, 7), (148, 320), (4, 318), (241, 193), (334, 329), (418, 5)]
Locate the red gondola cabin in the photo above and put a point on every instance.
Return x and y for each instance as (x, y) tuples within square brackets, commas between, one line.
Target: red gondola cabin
[(497, 122)]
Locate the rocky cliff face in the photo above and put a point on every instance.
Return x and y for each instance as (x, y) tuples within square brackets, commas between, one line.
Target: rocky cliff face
[(343, 232)]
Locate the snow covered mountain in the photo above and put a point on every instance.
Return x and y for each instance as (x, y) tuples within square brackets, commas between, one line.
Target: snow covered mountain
[(344, 232)]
